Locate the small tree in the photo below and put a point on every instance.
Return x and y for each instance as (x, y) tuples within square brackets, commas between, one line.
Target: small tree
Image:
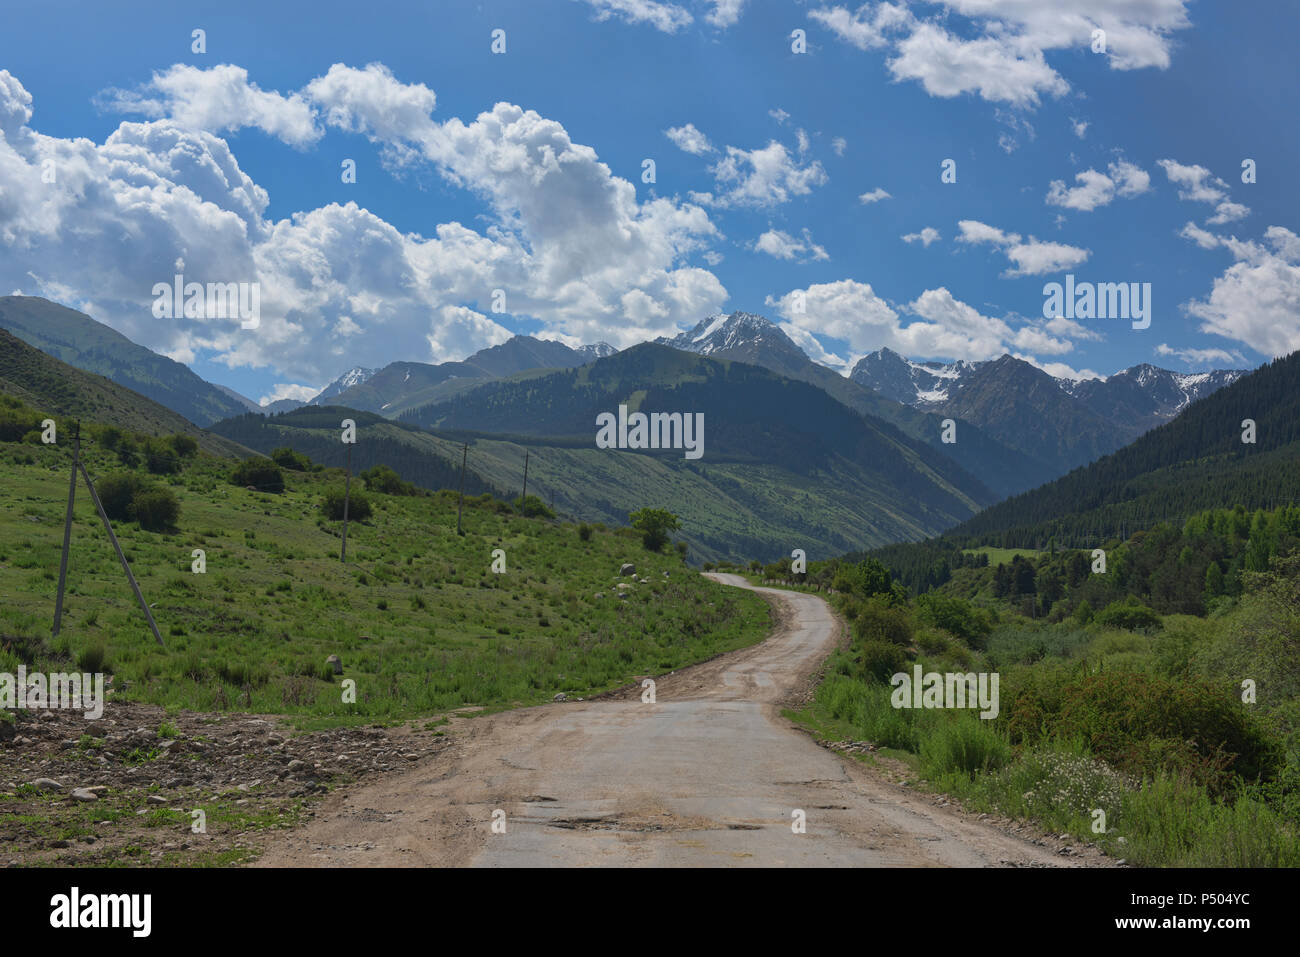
[(654, 524), (1213, 580)]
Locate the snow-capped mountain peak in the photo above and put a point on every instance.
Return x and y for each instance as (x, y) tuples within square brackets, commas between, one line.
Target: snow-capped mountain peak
[(354, 376), (735, 333), (913, 383)]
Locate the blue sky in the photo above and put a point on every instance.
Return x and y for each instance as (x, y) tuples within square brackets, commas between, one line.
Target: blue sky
[(780, 177)]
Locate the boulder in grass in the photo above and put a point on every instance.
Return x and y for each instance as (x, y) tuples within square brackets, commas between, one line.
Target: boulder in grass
[(335, 663), (627, 569)]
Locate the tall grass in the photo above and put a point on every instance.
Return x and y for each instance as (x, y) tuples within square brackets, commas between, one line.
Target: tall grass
[(1171, 823)]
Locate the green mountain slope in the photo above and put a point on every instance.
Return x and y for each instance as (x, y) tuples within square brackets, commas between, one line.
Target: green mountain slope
[(418, 456), (75, 338), (783, 461), (49, 385)]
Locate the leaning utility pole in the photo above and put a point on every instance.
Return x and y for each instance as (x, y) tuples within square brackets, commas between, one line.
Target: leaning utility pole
[(67, 527), (522, 498), (464, 454), (94, 496)]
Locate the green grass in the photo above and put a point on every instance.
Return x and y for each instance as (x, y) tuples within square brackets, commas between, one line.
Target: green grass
[(1002, 556), (420, 622)]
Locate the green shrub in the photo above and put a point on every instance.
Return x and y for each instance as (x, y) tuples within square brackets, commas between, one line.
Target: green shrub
[(156, 509), (161, 459), (533, 507), (1129, 615), (262, 474), (185, 446), (16, 424), (1083, 612), (584, 531), (287, 458), (358, 505), (383, 479), (956, 616), (116, 493), (878, 621), (879, 660), (1143, 723), (127, 455), (108, 436), (865, 579)]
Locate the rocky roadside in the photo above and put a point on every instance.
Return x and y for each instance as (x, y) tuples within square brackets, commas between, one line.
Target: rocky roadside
[(141, 786)]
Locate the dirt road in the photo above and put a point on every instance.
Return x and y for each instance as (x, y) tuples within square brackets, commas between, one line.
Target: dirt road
[(708, 775)]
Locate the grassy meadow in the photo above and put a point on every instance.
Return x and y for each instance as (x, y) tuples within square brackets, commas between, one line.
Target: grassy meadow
[(419, 619)]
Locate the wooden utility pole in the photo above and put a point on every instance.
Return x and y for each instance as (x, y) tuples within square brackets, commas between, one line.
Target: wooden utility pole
[(144, 606), (67, 527), (525, 495), (464, 454), (347, 493)]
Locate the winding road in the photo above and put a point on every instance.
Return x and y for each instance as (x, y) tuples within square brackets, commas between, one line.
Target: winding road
[(710, 774)]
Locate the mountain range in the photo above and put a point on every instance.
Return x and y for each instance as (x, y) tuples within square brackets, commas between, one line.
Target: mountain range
[(1135, 400), (80, 341), (783, 461), (845, 461), (401, 386), (1061, 423), (1204, 458)]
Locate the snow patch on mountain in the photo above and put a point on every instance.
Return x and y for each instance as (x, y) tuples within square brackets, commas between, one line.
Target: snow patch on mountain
[(597, 350)]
